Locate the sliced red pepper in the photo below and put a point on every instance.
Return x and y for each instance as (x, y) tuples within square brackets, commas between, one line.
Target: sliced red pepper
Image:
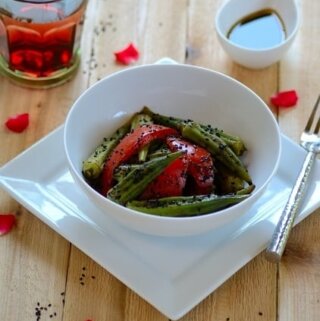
[(170, 182), (129, 146), (18, 123), (200, 165), (285, 98), (7, 221)]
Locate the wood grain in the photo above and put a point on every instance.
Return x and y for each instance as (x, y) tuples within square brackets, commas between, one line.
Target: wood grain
[(235, 299), (299, 278), (114, 300)]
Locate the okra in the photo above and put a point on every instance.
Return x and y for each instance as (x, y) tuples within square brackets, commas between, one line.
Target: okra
[(93, 165), (234, 142), (226, 181), (124, 170), (218, 148), (246, 190), (186, 205), (173, 122), (141, 119), (133, 184), (160, 152)]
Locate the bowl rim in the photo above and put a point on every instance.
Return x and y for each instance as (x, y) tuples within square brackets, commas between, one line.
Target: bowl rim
[(156, 218)]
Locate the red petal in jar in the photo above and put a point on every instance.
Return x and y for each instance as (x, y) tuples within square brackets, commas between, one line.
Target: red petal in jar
[(285, 98), (128, 55), (7, 221), (18, 123)]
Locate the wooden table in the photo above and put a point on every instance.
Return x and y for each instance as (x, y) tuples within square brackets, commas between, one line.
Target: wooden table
[(37, 264)]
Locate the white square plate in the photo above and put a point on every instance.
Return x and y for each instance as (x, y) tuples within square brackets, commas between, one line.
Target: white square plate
[(172, 274)]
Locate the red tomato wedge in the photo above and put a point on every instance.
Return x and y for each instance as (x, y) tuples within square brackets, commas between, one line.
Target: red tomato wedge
[(200, 163), (129, 146), (170, 182)]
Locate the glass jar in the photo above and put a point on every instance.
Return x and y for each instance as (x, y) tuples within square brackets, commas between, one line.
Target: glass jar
[(40, 40)]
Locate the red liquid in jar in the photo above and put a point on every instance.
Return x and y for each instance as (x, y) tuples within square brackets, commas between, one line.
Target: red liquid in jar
[(40, 49)]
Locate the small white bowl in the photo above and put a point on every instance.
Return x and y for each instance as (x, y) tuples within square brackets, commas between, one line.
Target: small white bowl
[(233, 11), (182, 91)]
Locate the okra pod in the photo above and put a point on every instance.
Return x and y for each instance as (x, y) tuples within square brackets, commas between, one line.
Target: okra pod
[(160, 152), (173, 122), (246, 190), (234, 142), (141, 119), (93, 165), (133, 184), (226, 181), (185, 205), (218, 148), (124, 170)]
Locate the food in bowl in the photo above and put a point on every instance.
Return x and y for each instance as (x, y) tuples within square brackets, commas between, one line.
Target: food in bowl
[(168, 166), (185, 92)]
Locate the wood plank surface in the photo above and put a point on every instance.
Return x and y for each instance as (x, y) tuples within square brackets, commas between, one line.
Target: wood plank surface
[(40, 269), (299, 277), (247, 295)]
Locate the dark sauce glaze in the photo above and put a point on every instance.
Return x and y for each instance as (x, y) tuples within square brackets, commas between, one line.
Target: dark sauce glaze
[(259, 30)]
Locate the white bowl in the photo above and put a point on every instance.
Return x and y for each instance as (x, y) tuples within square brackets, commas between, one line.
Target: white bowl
[(233, 11), (182, 91)]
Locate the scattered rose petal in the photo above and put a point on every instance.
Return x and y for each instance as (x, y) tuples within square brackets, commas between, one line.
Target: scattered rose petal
[(6, 223), (285, 98), (128, 55), (18, 123)]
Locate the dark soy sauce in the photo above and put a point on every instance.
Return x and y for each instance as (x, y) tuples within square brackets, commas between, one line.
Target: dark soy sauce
[(259, 30)]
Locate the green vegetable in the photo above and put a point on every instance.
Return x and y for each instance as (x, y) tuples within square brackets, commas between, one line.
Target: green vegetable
[(173, 122), (246, 190), (93, 165), (233, 182), (186, 205), (133, 184), (218, 148), (124, 170), (160, 152), (226, 181), (141, 119), (234, 142)]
